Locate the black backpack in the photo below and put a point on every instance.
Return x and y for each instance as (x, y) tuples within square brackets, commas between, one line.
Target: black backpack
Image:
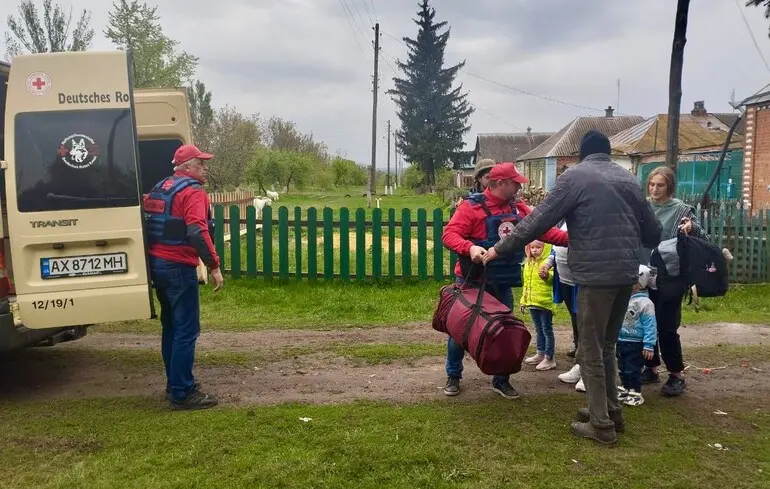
[(687, 261)]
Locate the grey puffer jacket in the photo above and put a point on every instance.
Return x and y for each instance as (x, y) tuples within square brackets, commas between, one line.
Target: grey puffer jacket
[(608, 218)]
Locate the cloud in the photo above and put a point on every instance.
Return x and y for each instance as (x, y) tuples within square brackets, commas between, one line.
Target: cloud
[(310, 61)]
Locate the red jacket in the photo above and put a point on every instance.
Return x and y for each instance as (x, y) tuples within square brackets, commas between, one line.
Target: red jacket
[(469, 223), (193, 205)]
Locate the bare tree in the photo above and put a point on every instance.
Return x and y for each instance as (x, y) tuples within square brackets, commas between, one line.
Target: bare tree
[(675, 83), (30, 34)]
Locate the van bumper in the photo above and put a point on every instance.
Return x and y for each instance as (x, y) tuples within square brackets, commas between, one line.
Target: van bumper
[(14, 337)]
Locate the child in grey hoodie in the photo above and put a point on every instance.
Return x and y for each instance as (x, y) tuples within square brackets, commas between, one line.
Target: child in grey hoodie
[(636, 340)]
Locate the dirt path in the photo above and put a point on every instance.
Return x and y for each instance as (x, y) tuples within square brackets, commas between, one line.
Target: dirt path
[(75, 370)]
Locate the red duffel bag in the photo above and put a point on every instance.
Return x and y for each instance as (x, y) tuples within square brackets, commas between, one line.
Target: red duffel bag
[(485, 327)]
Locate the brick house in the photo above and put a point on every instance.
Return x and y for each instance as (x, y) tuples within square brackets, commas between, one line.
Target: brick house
[(756, 159), (547, 161)]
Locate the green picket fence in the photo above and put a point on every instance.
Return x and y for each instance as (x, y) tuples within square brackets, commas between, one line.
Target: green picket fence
[(312, 244), (307, 245)]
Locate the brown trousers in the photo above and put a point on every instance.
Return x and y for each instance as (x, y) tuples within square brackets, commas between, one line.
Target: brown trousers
[(600, 313)]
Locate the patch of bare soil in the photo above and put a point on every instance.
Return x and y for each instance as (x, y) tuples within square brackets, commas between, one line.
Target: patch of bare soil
[(74, 371)]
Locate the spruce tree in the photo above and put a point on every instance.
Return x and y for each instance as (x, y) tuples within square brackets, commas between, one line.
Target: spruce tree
[(433, 115)]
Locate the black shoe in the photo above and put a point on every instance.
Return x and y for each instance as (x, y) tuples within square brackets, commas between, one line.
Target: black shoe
[(452, 387), (196, 387), (572, 352), (674, 386), (584, 416), (505, 389), (650, 377), (196, 400)]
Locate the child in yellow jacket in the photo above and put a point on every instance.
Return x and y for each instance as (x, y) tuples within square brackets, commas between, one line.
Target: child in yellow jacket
[(537, 296)]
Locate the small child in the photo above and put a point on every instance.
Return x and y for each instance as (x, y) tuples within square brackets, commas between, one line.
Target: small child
[(537, 296), (636, 340)]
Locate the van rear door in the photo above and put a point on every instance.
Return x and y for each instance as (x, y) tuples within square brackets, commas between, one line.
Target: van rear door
[(73, 191), (163, 124)]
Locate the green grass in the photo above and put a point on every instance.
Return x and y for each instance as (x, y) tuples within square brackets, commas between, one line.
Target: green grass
[(254, 304), (375, 354), (336, 199), (443, 444)]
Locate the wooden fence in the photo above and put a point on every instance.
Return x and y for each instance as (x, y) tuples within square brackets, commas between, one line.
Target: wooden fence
[(401, 245), (240, 198)]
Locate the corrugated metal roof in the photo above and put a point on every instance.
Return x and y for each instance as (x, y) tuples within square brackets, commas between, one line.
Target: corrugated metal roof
[(567, 141), (727, 119), (757, 99), (650, 135), (507, 146)]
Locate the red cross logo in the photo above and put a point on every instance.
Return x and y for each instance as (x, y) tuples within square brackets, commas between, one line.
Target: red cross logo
[(505, 229), (39, 83)]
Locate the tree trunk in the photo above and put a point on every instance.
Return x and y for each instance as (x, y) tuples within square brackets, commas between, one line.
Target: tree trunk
[(675, 83)]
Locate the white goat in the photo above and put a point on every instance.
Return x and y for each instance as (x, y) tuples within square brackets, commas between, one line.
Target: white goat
[(272, 195), (260, 203)]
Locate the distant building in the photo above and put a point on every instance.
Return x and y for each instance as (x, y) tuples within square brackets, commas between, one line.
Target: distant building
[(548, 160), (501, 147), (642, 147)]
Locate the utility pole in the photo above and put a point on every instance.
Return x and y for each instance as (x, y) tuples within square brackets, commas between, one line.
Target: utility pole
[(387, 180), (375, 83)]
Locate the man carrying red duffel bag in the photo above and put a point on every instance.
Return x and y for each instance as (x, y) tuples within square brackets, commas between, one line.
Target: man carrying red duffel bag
[(478, 224)]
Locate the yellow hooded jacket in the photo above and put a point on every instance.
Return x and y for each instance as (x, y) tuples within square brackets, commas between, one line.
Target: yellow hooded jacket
[(537, 292)]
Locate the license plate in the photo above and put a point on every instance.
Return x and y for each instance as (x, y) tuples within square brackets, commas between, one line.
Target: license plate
[(84, 265)]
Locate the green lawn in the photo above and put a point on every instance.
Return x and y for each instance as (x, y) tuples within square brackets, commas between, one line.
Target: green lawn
[(253, 304), (336, 199), (444, 444)]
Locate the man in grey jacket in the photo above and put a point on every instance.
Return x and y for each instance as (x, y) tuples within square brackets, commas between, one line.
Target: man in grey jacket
[(609, 220)]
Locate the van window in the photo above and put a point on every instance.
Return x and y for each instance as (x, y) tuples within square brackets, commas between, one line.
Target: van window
[(155, 161), (68, 160)]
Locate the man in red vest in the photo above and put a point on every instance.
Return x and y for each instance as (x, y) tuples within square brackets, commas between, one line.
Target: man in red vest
[(179, 229)]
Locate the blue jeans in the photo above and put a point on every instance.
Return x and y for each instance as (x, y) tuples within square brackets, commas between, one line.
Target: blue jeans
[(177, 288), (630, 364), (455, 352), (543, 320)]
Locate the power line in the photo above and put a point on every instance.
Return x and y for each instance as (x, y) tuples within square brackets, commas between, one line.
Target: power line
[(751, 33), (495, 117), (368, 13), (353, 19), (518, 90), (375, 11), (352, 29), (358, 11)]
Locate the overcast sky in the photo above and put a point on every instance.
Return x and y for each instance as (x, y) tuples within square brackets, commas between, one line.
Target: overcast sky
[(305, 61)]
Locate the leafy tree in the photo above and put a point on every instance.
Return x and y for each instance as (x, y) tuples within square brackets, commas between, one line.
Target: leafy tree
[(264, 169), (234, 140), (30, 34), (347, 172), (414, 177), (201, 113), (433, 114), (156, 62)]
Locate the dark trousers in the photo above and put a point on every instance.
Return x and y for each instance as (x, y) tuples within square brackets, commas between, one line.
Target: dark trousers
[(630, 364), (177, 288), (567, 295), (600, 315), (455, 352), (668, 315)]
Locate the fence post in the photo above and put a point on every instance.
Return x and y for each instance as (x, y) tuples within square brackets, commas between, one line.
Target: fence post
[(392, 243), (267, 242), (298, 241), (377, 244), (219, 232), (422, 244), (360, 244), (438, 246), (745, 242), (406, 243), (452, 254), (251, 241), (312, 244), (328, 243), (235, 241), (283, 242), (345, 244)]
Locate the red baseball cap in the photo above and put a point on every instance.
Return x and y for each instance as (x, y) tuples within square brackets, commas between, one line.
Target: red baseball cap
[(507, 171), (186, 152)]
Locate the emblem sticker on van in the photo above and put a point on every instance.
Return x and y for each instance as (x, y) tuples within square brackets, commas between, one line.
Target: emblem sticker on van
[(78, 151), (39, 83)]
